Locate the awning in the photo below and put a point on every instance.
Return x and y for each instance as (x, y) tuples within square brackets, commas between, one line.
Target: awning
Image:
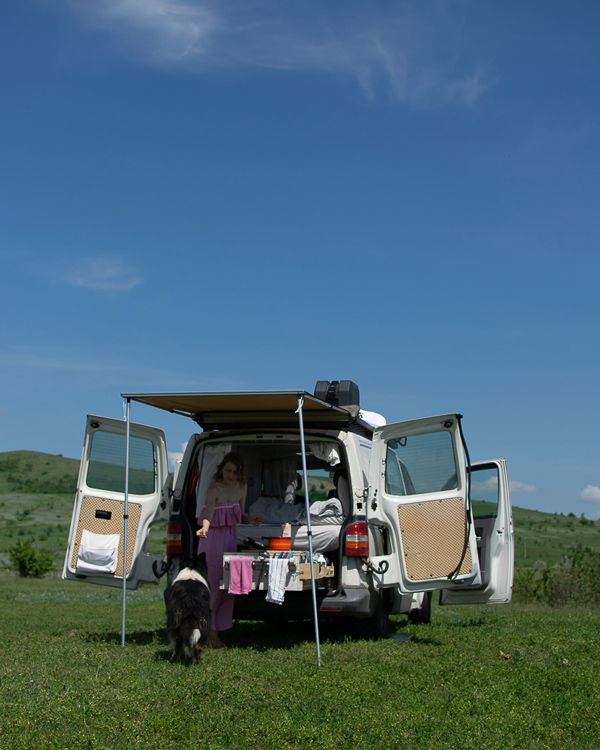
[(238, 409)]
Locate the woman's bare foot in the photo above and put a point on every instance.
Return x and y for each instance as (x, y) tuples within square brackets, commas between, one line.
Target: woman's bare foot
[(214, 641)]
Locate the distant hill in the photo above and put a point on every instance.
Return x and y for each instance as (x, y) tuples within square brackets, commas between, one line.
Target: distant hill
[(37, 492), (37, 473)]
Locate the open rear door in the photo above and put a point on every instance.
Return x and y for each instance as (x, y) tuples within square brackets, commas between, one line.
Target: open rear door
[(418, 499), (96, 540), (492, 518)]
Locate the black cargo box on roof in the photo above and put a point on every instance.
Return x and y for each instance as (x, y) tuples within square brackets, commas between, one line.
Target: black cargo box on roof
[(338, 392)]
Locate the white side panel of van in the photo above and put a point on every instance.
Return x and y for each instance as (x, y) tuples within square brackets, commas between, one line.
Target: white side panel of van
[(418, 488), (95, 551), (494, 529)]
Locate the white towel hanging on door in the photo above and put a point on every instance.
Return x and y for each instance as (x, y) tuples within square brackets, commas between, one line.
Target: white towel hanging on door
[(98, 553)]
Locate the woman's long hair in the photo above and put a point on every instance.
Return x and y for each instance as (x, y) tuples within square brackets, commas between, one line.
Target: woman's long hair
[(237, 461)]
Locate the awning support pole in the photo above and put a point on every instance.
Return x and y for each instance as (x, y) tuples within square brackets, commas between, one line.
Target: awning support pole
[(125, 518), (310, 545)]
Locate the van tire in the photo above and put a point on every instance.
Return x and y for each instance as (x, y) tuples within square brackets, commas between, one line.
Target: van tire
[(421, 616)]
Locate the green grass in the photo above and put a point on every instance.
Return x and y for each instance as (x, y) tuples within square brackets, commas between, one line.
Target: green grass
[(510, 676), (477, 677)]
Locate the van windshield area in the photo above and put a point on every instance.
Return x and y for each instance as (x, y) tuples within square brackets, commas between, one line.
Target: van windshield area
[(420, 464)]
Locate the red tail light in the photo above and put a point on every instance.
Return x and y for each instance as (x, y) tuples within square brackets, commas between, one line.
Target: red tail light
[(357, 540), (173, 539)]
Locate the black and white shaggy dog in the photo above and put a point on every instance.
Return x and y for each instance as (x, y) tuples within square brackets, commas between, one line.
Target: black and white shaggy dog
[(188, 610)]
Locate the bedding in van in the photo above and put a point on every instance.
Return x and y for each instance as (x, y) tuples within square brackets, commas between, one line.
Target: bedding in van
[(274, 511), (326, 517)]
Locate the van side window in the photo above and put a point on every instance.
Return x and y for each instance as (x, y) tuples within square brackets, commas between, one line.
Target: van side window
[(484, 489), (106, 468), (418, 464)]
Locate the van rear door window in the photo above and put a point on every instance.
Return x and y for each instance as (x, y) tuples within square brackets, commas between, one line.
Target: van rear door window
[(419, 464), (106, 467)]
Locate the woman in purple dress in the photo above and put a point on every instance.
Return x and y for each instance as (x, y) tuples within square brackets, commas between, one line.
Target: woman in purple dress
[(224, 508)]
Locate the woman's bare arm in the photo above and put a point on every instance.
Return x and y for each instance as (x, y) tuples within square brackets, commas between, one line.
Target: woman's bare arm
[(209, 510), (254, 520)]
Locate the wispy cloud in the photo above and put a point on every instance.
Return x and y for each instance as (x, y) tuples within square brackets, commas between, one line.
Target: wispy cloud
[(490, 487), (412, 50), (163, 31), (103, 273), (590, 494), (523, 489)]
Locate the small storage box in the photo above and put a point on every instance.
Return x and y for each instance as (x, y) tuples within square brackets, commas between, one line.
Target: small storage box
[(320, 571)]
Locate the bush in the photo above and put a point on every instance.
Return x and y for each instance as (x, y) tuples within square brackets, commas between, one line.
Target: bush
[(29, 562), (527, 585), (576, 581)]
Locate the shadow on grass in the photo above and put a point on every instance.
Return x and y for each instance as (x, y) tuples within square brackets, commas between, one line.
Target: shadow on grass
[(257, 635), (424, 640), (137, 638), (261, 636), (273, 635)]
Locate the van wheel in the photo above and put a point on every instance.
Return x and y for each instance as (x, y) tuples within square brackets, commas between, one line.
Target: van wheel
[(422, 616), (377, 625)]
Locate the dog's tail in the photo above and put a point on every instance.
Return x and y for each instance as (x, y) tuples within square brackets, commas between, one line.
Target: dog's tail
[(196, 641), (190, 632)]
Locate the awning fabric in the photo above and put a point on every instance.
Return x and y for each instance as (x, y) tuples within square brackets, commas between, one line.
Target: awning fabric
[(213, 411)]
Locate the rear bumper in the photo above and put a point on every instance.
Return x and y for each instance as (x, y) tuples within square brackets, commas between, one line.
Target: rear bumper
[(352, 602)]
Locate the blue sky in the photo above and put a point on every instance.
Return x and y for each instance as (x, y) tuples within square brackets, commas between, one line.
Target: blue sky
[(257, 194)]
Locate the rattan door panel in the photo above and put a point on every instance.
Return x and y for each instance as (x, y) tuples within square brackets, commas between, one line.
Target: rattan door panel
[(433, 538), (89, 519)]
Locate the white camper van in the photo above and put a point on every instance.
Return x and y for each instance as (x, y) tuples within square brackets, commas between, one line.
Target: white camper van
[(397, 525)]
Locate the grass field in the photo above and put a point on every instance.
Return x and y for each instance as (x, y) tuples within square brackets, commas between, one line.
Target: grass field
[(477, 677), (509, 676)]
